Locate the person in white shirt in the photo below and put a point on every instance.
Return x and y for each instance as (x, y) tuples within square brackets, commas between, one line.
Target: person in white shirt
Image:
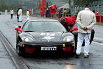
[(27, 14), (86, 19), (20, 15), (11, 12)]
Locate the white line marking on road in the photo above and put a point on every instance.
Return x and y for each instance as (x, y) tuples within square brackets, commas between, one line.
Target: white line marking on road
[(98, 38), (98, 43)]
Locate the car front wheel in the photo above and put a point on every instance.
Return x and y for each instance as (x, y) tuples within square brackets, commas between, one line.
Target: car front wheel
[(19, 51)]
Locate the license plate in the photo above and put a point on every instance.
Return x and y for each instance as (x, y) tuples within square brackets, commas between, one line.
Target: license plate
[(49, 48)]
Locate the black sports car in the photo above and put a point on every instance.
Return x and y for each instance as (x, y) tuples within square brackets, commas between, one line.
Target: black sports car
[(43, 35)]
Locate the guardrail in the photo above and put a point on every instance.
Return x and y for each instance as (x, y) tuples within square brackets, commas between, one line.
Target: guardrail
[(99, 18)]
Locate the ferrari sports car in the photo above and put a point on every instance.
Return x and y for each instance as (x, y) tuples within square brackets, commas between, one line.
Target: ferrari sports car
[(43, 36)]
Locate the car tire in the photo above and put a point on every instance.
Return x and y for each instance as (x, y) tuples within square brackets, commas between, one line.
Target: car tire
[(75, 33), (20, 53), (75, 47)]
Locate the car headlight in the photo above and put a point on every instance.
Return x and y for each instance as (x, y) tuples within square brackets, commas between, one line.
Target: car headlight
[(27, 39), (68, 38)]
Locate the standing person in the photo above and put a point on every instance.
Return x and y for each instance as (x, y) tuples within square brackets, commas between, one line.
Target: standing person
[(53, 10), (11, 12), (85, 21), (20, 15), (17, 14), (30, 11), (47, 12), (27, 14), (59, 12), (77, 13), (65, 12), (42, 13), (69, 13)]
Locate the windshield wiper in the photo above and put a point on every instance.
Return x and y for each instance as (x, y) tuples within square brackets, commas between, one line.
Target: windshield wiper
[(29, 31)]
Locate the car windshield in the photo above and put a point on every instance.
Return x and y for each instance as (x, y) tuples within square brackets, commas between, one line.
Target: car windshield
[(44, 26)]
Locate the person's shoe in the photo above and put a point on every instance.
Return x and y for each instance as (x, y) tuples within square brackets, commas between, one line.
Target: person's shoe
[(77, 55), (86, 56)]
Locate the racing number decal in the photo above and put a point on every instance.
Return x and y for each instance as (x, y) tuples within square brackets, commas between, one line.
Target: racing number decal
[(48, 36)]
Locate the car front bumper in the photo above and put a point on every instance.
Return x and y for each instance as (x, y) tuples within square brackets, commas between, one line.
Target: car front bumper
[(58, 47)]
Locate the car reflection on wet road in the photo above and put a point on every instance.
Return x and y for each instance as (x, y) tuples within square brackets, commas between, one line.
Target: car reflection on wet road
[(60, 62)]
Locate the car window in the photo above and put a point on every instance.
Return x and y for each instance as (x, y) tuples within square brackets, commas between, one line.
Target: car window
[(47, 26)]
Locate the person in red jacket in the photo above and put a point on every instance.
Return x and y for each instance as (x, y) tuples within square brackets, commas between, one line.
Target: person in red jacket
[(53, 10), (42, 13), (67, 22), (30, 11)]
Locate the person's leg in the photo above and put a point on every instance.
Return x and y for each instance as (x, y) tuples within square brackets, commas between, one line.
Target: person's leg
[(27, 17), (79, 42), (11, 16), (20, 18), (87, 42)]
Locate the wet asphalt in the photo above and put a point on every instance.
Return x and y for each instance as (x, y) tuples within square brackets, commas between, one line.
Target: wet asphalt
[(95, 61)]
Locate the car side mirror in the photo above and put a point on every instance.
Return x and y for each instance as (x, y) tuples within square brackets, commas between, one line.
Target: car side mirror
[(18, 28)]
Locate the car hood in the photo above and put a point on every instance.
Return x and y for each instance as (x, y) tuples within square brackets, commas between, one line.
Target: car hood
[(44, 37)]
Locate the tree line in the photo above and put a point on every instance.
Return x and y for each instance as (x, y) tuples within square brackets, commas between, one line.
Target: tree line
[(4, 5), (81, 2)]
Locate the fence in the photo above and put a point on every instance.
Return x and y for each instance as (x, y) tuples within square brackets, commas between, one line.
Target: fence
[(99, 18)]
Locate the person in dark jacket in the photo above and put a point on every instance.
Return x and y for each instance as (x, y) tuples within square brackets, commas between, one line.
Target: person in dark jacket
[(17, 14), (47, 12)]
